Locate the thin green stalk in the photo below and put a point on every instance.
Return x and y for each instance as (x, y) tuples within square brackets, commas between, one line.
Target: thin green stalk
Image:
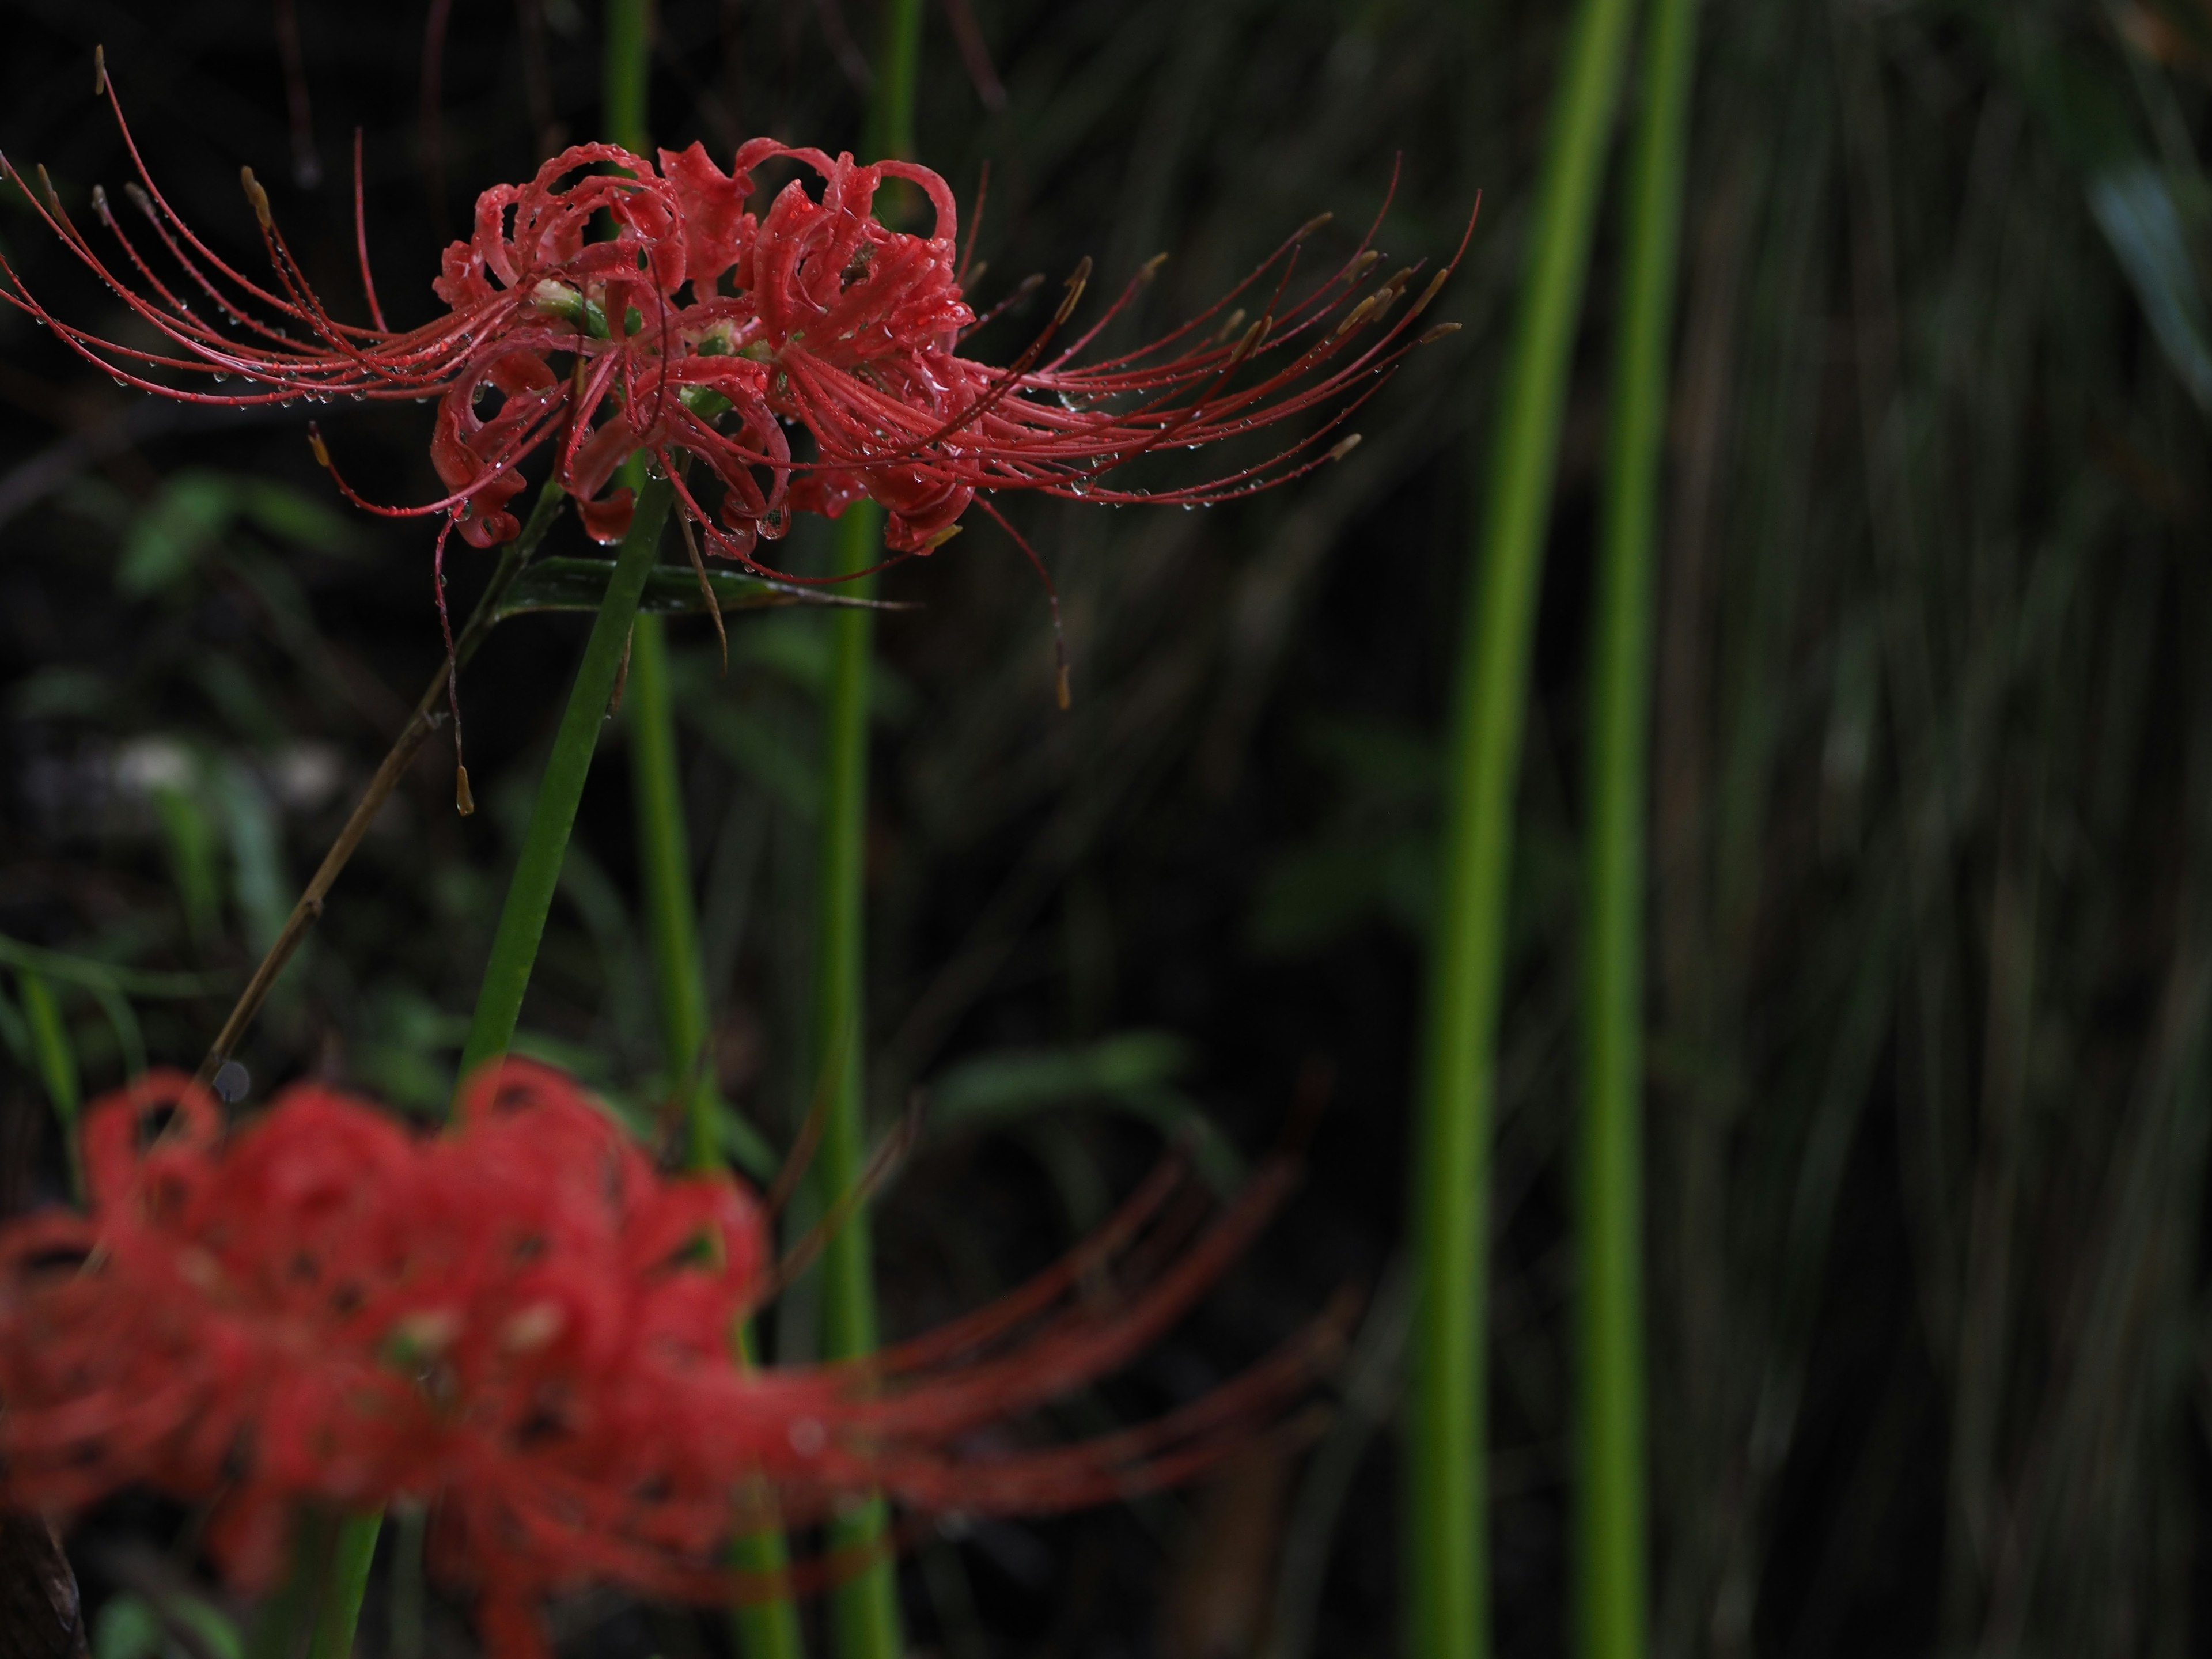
[(626, 65), (898, 72), (664, 866), (521, 926), (57, 1060), (1612, 1539), (766, 1628), (1447, 1613), (538, 873), (864, 1608)]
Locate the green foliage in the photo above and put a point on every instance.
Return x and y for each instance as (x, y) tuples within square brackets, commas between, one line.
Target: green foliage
[(2154, 208), (194, 511), (1133, 1072), (130, 1626), (192, 859), (1374, 859)]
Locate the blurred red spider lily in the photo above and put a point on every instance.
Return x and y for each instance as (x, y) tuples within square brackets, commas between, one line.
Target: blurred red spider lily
[(703, 331), (524, 1325)]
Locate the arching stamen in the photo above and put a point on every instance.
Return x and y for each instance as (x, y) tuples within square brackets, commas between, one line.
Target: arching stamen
[(360, 238), (463, 801)]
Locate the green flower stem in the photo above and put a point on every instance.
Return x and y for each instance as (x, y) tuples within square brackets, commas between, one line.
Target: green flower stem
[(864, 1608), (1447, 1612), (766, 1628), (626, 65), (665, 868), (1612, 1541), (514, 947), (344, 1574), (538, 873), (898, 72)]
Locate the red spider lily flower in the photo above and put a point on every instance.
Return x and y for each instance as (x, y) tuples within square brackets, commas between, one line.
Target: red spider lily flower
[(522, 1324), (701, 331)]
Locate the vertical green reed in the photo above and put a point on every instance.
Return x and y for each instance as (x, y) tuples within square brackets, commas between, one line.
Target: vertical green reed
[(664, 853), (864, 1608), (515, 947), (1611, 1531), (545, 843), (767, 1628), (1447, 1588)]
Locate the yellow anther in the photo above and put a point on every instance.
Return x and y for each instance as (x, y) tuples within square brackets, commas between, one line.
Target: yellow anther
[(1436, 284), (256, 195), (1358, 314), (1250, 338), (1076, 283)]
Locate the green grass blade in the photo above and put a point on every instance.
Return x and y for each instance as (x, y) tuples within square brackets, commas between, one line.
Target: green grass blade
[(58, 1068), (1447, 1569), (1612, 1544), (348, 1583), (96, 975), (537, 872)]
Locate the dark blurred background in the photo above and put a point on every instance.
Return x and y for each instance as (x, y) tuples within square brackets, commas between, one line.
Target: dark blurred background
[(1931, 948)]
